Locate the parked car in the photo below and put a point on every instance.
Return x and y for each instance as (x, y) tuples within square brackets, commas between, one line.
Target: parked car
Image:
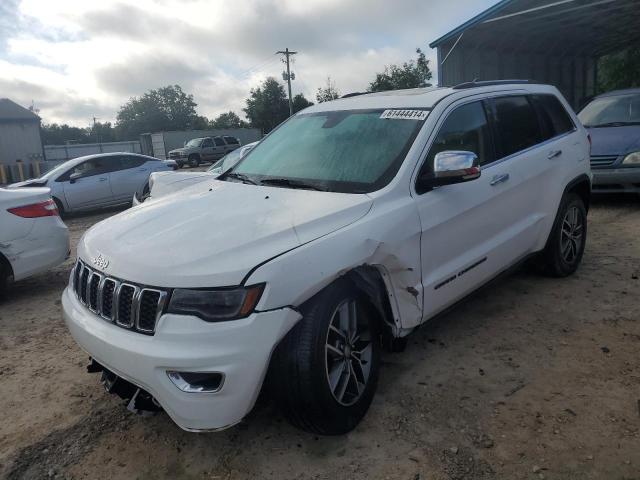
[(164, 183), (204, 149), (97, 181), (32, 236), (353, 223), (613, 121)]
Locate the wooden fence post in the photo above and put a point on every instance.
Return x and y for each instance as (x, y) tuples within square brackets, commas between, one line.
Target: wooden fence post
[(36, 169), (20, 171), (3, 175)]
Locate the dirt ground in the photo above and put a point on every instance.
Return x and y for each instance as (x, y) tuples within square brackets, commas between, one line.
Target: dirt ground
[(533, 378)]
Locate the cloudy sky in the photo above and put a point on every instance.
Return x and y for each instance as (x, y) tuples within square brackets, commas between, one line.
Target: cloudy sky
[(76, 59)]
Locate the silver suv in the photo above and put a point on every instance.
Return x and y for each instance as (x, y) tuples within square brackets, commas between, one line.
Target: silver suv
[(204, 149)]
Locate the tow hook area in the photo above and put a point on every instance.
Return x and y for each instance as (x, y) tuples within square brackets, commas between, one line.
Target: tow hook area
[(138, 400)]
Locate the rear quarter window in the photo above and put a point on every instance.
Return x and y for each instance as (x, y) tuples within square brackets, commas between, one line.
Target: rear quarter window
[(554, 118)]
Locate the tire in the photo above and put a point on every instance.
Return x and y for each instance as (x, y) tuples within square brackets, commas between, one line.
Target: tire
[(565, 246), (194, 160), (61, 211), (5, 275), (316, 387)]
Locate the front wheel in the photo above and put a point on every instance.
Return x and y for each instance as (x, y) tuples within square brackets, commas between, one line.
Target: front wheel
[(326, 369), (194, 160), (567, 240)]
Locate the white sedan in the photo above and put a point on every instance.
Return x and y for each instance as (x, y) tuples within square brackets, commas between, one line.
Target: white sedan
[(32, 236)]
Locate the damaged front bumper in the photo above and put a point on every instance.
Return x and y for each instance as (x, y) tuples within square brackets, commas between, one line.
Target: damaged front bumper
[(240, 350)]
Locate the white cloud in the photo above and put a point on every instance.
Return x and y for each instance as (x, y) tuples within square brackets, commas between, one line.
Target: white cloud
[(76, 59)]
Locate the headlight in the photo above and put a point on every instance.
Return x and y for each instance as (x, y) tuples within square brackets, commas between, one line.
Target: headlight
[(632, 159), (216, 305)]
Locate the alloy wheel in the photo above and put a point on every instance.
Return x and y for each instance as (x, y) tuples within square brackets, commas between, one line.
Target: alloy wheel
[(571, 235), (348, 353)]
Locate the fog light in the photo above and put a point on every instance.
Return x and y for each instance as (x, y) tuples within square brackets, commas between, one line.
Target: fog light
[(199, 382)]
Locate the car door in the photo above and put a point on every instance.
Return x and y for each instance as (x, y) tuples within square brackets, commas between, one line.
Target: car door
[(467, 228), (534, 159), (220, 147), (91, 188), (208, 151), (132, 172)]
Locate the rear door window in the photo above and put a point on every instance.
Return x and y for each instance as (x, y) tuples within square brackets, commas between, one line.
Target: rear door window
[(554, 118), (516, 124), (219, 142), (129, 161)]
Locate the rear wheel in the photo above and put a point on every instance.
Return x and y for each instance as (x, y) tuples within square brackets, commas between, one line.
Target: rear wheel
[(566, 243), (61, 211), (5, 274), (194, 160), (327, 366)]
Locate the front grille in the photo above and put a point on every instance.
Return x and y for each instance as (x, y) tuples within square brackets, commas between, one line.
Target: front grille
[(601, 161), (128, 305)]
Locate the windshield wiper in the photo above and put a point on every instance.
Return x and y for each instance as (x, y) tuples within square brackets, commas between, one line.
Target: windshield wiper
[(288, 182), (242, 177), (612, 124)]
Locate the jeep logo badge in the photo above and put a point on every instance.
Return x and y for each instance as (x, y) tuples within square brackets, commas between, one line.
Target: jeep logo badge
[(100, 262)]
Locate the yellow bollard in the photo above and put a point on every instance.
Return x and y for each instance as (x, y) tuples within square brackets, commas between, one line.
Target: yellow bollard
[(3, 175), (20, 171)]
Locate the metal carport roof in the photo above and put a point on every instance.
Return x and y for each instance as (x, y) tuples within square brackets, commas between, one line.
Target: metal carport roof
[(534, 36)]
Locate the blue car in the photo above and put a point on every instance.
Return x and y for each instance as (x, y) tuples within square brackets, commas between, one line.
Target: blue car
[(613, 121)]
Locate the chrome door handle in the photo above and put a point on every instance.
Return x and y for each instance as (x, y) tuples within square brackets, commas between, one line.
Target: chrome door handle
[(499, 179), (554, 154), (103, 179)]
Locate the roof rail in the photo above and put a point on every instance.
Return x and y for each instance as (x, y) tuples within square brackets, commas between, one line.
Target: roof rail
[(488, 83), (354, 94)]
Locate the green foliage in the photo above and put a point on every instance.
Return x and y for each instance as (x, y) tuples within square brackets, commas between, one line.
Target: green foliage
[(267, 105), (166, 108), (327, 93), (228, 120), (412, 74), (619, 70), (300, 103), (55, 134)]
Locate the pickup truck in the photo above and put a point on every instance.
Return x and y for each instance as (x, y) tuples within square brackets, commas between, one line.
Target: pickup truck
[(204, 149)]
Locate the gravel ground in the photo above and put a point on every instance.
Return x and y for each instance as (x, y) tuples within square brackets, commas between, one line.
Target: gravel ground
[(532, 378)]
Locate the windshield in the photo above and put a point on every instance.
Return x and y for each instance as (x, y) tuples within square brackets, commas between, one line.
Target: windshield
[(193, 143), (226, 162), (353, 151), (617, 110)]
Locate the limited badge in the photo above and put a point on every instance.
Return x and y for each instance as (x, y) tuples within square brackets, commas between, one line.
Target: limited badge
[(405, 114)]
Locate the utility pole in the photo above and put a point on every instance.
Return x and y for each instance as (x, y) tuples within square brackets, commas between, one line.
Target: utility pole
[(288, 76)]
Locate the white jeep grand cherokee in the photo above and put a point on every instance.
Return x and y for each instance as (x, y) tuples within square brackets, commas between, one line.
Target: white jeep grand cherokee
[(347, 227)]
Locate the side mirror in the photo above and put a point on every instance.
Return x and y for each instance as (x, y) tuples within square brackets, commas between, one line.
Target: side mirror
[(450, 167), (75, 176)]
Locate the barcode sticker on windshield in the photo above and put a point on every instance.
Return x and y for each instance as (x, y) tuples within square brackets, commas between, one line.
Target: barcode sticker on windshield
[(405, 114)]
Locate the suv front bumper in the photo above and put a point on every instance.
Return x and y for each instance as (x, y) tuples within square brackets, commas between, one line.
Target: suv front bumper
[(616, 180), (239, 349)]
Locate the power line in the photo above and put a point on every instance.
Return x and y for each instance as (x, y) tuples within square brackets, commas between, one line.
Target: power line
[(288, 76)]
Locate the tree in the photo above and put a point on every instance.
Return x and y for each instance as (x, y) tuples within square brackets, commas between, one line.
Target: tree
[(166, 108), (101, 132), (328, 93), (228, 120), (619, 70), (54, 134), (412, 74), (300, 103), (267, 105)]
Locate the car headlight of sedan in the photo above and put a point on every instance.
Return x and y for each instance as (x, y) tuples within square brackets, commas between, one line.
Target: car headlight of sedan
[(216, 305), (632, 159)]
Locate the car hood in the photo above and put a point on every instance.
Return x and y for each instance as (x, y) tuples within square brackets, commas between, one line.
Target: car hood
[(213, 233), (165, 183), (615, 140)]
